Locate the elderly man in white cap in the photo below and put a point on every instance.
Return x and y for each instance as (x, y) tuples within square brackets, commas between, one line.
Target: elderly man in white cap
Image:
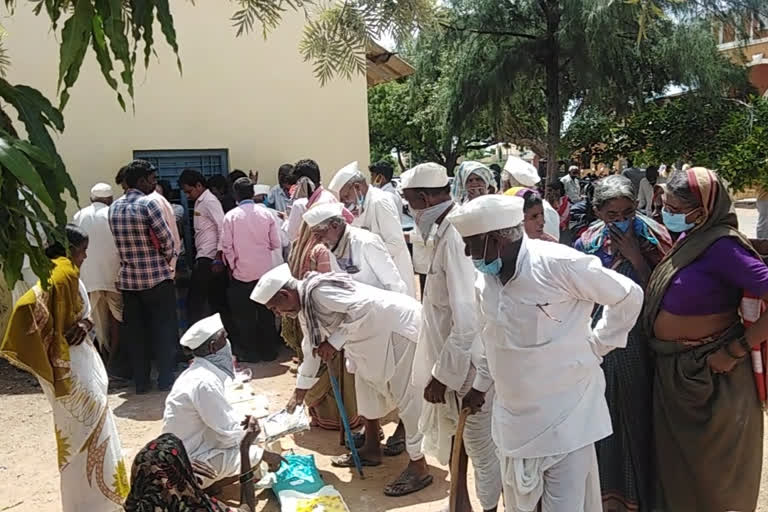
[(443, 366), (99, 272), (536, 299), (376, 211), (519, 174), (378, 331), (198, 413)]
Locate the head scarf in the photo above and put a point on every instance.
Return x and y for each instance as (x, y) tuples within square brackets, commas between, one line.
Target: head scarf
[(718, 221), (304, 188), (316, 323), (162, 480), (465, 170)]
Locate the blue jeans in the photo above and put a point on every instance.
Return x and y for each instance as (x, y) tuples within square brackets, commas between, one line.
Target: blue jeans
[(150, 327)]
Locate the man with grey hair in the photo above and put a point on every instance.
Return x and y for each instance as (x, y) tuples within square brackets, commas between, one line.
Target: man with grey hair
[(572, 184), (535, 300), (378, 331), (376, 211)]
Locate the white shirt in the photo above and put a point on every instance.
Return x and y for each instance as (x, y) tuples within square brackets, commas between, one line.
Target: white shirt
[(645, 195), (551, 220), (361, 321), (197, 411), (390, 189), (422, 250), (277, 254), (380, 217), (542, 353), (367, 261), (572, 188), (449, 327), (100, 268)]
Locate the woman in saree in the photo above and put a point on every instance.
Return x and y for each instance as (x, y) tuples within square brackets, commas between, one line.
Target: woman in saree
[(308, 254), (50, 336), (708, 423), (631, 244)]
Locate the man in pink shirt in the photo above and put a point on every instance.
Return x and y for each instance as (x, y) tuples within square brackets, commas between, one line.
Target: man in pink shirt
[(208, 282), (248, 237)]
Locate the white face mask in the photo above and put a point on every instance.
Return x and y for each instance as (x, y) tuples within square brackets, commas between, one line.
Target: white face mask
[(428, 216)]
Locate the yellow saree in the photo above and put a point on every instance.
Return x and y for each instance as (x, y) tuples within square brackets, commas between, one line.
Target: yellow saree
[(93, 475)]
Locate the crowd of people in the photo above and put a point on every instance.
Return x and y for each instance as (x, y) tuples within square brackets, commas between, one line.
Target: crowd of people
[(588, 337)]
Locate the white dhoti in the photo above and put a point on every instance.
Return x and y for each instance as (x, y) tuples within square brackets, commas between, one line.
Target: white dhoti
[(104, 303), (226, 462), (400, 393), (439, 423), (563, 483)]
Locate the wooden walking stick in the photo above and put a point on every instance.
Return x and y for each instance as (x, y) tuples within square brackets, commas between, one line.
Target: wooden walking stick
[(458, 443)]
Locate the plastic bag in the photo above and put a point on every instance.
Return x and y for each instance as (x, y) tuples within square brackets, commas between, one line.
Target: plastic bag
[(327, 499), (299, 474), (281, 423)]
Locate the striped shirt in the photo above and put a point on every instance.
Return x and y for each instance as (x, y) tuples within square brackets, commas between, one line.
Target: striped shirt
[(144, 241)]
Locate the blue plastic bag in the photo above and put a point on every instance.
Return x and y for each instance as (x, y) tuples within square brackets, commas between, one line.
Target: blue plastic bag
[(299, 474)]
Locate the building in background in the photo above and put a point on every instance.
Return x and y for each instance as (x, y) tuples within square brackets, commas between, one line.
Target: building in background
[(753, 53)]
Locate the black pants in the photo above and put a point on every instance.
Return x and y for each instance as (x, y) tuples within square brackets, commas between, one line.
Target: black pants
[(250, 325), (151, 328), (207, 291)]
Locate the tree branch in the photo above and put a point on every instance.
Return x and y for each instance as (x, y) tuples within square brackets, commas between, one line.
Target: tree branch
[(506, 33)]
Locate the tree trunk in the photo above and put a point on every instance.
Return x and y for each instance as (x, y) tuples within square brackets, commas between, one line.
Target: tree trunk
[(554, 111)]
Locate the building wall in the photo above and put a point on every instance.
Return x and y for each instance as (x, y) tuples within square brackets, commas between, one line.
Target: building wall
[(745, 54), (256, 98)]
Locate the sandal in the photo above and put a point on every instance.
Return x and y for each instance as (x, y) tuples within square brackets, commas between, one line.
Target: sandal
[(347, 461), (359, 438), (407, 483), (394, 446)]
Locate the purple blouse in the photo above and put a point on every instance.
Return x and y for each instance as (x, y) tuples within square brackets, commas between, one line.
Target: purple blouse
[(715, 282)]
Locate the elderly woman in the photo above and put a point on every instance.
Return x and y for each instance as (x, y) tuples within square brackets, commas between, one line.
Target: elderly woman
[(541, 220), (708, 424), (631, 244), (472, 180), (50, 336)]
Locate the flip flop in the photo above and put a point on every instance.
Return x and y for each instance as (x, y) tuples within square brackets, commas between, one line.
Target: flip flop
[(394, 446), (346, 461), (407, 483)]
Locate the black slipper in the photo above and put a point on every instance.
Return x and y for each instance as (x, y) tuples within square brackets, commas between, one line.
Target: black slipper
[(347, 461), (394, 446), (407, 483)]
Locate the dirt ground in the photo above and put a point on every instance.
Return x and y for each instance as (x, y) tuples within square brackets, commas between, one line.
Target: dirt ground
[(29, 477)]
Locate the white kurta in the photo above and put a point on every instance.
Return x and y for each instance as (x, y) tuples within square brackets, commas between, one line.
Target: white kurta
[(277, 254), (551, 220), (380, 216), (378, 331), (390, 189), (544, 359), (198, 413), (100, 269), (368, 261)]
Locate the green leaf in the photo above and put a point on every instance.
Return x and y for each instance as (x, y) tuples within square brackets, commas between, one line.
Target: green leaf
[(74, 43), (166, 25), (19, 165)]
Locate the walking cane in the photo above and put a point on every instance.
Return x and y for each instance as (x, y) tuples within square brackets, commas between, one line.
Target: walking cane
[(458, 442), (345, 420)]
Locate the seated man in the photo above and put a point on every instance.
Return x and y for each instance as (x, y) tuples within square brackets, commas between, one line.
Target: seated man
[(197, 412), (377, 329)]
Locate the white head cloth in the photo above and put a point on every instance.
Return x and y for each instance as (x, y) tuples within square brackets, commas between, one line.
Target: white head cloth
[(341, 178), (101, 191), (523, 172), (487, 213), (321, 212), (260, 190), (429, 175), (270, 283), (201, 331)]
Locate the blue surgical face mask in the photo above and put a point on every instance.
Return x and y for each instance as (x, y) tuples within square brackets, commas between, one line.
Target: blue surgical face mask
[(675, 222), (493, 268), (623, 225)]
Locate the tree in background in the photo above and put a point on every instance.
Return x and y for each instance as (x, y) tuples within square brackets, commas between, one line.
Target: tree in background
[(33, 178), (529, 62)]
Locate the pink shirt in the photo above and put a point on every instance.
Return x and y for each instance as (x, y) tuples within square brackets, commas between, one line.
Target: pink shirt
[(209, 217), (248, 236)]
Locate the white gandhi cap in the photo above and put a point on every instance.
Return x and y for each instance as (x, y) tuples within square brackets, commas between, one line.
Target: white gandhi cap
[(486, 214), (322, 212), (429, 175), (101, 190), (341, 178), (270, 283), (522, 171), (260, 190), (201, 331)]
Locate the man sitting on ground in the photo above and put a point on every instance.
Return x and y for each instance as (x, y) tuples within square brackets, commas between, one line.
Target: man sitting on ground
[(378, 331), (197, 411)]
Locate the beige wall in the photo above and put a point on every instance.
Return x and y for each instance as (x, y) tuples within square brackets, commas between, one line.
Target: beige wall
[(254, 97)]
